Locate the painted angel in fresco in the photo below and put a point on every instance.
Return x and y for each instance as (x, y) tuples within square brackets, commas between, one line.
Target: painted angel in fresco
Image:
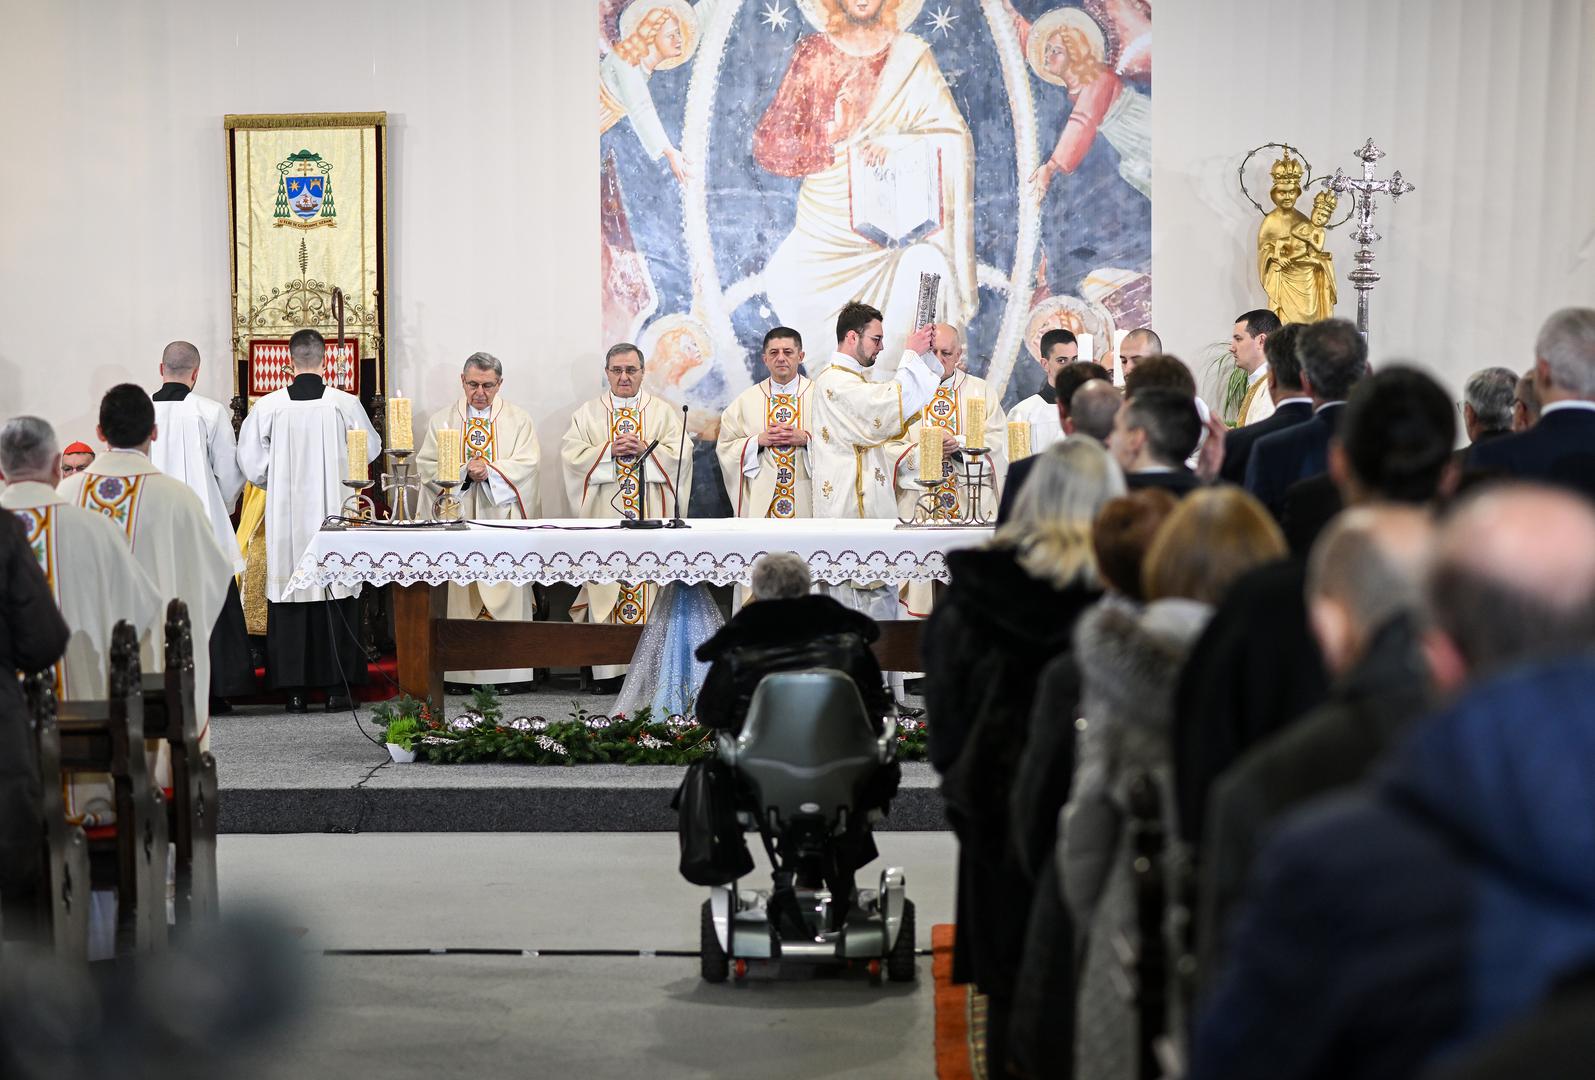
[(864, 116), (655, 35), (1067, 47)]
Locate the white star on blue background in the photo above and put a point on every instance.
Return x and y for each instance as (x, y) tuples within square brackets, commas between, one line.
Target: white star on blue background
[(774, 15)]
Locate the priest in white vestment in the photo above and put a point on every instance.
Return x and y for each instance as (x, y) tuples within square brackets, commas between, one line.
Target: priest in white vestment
[(1059, 349), (764, 437), (611, 473), (1246, 346), (294, 446), (166, 526), (498, 476), (197, 446), (93, 576), (948, 409)]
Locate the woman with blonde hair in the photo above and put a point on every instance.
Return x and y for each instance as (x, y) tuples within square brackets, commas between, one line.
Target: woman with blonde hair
[(1009, 608), (1130, 661)]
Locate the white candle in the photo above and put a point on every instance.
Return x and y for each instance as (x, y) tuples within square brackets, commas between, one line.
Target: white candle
[(1118, 356), (1086, 345)]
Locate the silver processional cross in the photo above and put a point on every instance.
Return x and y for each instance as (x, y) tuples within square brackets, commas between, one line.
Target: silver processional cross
[(1364, 276)]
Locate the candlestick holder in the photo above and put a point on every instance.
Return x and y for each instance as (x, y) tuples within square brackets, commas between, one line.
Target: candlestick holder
[(977, 471), (401, 486), (447, 509), (930, 511), (358, 509)]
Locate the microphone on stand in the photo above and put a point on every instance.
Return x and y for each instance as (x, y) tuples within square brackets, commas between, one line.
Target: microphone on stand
[(676, 522), (642, 479)]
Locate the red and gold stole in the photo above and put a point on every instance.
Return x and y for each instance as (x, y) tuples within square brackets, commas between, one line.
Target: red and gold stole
[(943, 412), (114, 496), (39, 524), (783, 409), (628, 471)]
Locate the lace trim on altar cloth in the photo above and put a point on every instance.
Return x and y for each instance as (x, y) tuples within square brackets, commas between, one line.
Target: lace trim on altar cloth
[(713, 568)]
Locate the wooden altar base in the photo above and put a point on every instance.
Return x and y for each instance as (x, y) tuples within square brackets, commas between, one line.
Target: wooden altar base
[(430, 643)]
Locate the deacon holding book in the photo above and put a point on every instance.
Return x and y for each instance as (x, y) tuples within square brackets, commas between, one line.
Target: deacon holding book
[(492, 450), (610, 472), (764, 436), (298, 444), (197, 446)]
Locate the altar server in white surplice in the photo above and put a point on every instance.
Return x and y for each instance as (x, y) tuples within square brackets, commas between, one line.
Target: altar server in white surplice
[(93, 576), (498, 476), (164, 523), (607, 475), (197, 447), (764, 437), (855, 422), (948, 409), (294, 446), (1059, 349)]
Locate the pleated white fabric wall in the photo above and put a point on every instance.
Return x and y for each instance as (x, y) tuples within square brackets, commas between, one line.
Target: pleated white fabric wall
[(1487, 106)]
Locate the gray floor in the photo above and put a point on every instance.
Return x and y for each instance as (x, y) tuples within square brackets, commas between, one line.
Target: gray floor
[(557, 1016)]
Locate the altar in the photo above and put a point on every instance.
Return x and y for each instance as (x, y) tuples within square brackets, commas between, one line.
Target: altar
[(420, 562)]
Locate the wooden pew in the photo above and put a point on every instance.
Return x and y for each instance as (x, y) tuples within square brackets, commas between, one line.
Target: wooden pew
[(108, 737), (63, 900), (171, 716)]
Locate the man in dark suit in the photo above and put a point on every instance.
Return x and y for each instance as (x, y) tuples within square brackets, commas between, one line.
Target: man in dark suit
[(1153, 434), (1560, 449), (1334, 357), (1292, 406), (1070, 378)]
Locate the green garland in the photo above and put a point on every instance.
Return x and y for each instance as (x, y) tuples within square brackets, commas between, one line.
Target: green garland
[(482, 735)]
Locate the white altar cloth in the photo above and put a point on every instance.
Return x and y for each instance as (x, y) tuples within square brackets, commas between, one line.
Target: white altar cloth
[(716, 551)]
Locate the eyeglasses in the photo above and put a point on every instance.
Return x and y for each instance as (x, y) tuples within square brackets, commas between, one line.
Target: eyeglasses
[(469, 385), (623, 370)]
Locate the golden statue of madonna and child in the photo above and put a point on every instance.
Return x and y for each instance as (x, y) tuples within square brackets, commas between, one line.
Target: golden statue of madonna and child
[(1297, 273)]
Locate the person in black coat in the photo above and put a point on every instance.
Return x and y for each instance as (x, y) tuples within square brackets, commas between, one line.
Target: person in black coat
[(1334, 357), (1009, 609), (1560, 448), (33, 636), (1153, 434), (1292, 406)]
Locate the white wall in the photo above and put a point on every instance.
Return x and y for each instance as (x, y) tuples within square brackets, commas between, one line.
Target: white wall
[(113, 226)]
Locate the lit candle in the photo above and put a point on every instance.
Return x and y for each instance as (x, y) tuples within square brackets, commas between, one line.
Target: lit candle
[(975, 424), (359, 464), (449, 455), (1086, 345), (1018, 440), (930, 440), (400, 436)]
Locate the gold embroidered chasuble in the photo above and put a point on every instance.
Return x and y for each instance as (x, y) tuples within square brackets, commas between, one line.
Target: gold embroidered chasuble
[(767, 481)]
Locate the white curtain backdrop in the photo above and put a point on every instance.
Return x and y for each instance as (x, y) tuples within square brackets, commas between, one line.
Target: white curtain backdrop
[(113, 229)]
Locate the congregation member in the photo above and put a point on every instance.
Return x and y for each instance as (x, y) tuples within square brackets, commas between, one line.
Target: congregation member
[(198, 447), (856, 422), (165, 525), (1364, 591), (764, 436), (1009, 609), (1291, 405), (76, 457), (1059, 349), (499, 458), (1487, 399), (1066, 383), (1469, 849), (294, 446), (1093, 408), (33, 637), (948, 409), (1257, 668), (1130, 659), (1153, 434), (93, 577), (1560, 448), (1334, 357), (1138, 344), (1248, 346), (620, 457), (1525, 403)]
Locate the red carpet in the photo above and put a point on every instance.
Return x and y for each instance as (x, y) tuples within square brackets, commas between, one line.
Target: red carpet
[(960, 1015)]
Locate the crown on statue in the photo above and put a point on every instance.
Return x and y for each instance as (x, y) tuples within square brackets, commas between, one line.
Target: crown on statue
[(1325, 200), (1286, 168)]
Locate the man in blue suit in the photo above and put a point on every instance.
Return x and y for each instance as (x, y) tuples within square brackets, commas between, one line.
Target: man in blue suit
[(1560, 449), (1333, 357), (1292, 406)]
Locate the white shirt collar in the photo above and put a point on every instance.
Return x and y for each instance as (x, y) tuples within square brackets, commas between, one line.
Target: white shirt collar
[(785, 388), (1575, 403), (633, 402), (478, 414), (1299, 399), (1260, 373)]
